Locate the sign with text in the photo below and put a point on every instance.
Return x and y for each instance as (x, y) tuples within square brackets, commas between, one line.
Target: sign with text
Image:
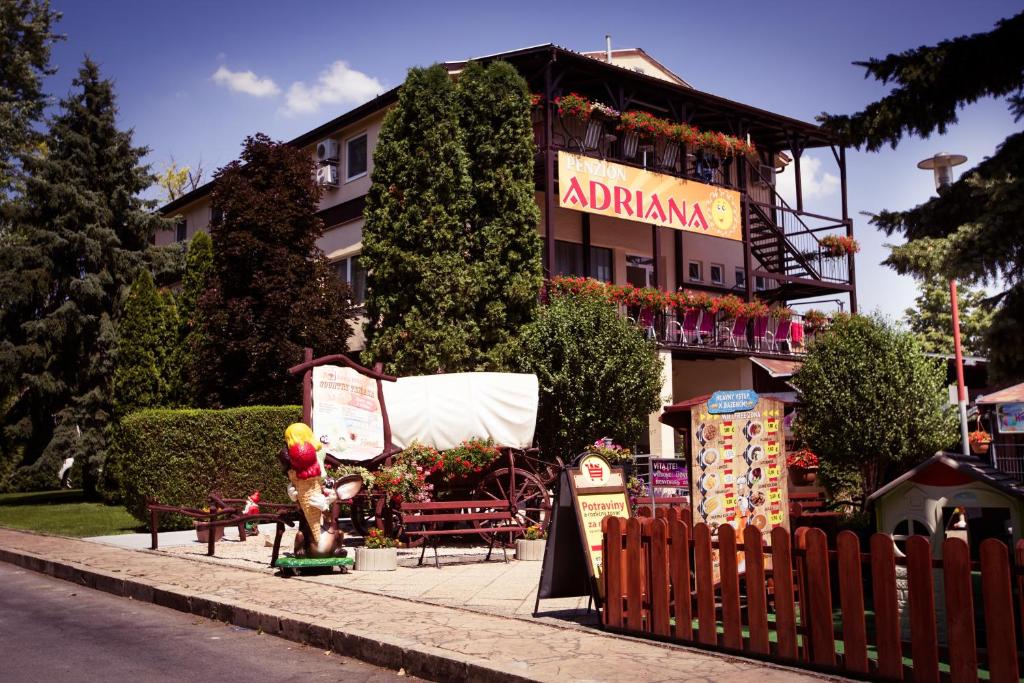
[(1010, 417), (619, 191), (722, 402), (346, 413), (670, 477), (739, 464)]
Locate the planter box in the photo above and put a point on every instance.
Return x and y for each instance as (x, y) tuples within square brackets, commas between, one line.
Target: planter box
[(203, 532), (530, 551), (376, 559)]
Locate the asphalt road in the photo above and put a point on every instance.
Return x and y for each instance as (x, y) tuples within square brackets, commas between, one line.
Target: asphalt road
[(53, 630)]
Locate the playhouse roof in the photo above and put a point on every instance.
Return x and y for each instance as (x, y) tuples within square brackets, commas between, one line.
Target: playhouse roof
[(1014, 394), (964, 464)]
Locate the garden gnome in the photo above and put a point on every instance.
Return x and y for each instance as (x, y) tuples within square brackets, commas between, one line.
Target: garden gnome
[(306, 474)]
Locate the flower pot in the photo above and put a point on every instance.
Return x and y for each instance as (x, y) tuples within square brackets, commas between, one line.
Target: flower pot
[(800, 476), (630, 142), (376, 559), (980, 448), (203, 532), (575, 127), (530, 551)]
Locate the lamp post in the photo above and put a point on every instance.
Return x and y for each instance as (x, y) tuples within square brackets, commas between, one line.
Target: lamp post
[(942, 165)]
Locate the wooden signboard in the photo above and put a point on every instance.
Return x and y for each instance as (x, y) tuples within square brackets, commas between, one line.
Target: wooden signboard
[(738, 463), (572, 557)]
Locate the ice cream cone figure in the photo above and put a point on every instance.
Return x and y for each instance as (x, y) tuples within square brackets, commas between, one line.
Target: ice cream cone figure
[(306, 474)]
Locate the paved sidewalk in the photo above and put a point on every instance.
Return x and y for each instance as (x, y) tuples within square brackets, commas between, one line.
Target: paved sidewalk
[(427, 640)]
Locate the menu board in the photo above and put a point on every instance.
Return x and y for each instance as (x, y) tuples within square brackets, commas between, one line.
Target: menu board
[(739, 466), (670, 477), (1010, 417), (346, 413)]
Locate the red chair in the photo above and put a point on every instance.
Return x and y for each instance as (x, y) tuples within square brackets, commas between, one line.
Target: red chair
[(781, 336), (687, 331), (737, 333), (706, 331), (760, 331), (647, 323)]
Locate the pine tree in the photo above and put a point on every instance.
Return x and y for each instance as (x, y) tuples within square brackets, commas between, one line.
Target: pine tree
[(84, 230), (494, 110), (268, 298), (931, 318), (972, 230), (417, 242), (194, 282), (138, 379)]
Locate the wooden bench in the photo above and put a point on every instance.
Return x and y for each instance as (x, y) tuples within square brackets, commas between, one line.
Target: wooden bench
[(431, 521)]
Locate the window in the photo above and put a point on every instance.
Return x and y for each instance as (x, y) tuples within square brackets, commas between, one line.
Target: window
[(760, 284), (906, 528), (696, 271), (568, 258), (181, 231), (717, 274), (741, 277), (355, 157), (601, 264), (349, 270), (640, 271)]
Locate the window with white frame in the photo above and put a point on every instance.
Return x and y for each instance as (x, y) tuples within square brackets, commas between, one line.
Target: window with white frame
[(717, 274), (349, 270), (356, 157), (760, 284), (741, 277), (695, 271)]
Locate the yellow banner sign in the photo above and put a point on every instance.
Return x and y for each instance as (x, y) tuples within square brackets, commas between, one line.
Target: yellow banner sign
[(632, 194)]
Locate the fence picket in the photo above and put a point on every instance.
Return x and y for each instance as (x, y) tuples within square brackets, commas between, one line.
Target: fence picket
[(924, 642), (819, 599), (658, 588), (785, 604), (612, 572), (706, 626), (956, 573), (680, 567), (851, 598), (634, 580), (800, 565), (757, 604), (730, 581), (999, 621), (887, 616)]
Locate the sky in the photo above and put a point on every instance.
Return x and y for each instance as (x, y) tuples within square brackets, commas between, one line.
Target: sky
[(194, 78)]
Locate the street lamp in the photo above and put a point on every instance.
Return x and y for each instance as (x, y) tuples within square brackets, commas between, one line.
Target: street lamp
[(942, 165)]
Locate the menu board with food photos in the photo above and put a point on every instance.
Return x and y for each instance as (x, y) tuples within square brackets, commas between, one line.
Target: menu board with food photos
[(739, 465)]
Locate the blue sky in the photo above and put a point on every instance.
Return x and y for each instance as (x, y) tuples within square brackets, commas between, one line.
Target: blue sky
[(194, 78)]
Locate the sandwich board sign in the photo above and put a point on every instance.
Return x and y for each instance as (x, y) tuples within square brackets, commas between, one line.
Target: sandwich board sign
[(586, 495)]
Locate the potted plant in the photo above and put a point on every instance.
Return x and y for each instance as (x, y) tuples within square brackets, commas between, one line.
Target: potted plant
[(203, 532), (839, 245), (536, 107), (616, 455), (979, 440), (639, 125), (380, 553), (574, 110), (815, 321), (530, 547), (803, 466)]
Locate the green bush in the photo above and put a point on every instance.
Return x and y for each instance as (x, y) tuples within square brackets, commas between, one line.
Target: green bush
[(178, 456)]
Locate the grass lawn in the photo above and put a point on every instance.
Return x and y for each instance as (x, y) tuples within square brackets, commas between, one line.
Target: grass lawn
[(66, 513)]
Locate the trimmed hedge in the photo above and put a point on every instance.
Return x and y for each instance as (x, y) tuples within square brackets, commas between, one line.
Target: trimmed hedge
[(178, 456)]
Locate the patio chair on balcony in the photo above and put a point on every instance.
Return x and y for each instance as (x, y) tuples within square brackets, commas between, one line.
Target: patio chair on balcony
[(760, 333), (736, 334), (781, 336), (686, 332), (706, 330), (647, 323)]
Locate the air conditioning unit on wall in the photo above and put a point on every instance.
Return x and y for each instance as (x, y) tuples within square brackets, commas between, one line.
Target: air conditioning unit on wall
[(327, 150), (327, 174)]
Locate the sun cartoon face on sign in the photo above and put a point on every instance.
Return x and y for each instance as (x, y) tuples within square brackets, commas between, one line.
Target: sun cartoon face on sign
[(723, 211)]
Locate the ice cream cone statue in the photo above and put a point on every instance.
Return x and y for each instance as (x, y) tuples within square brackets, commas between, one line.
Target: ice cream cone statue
[(306, 475)]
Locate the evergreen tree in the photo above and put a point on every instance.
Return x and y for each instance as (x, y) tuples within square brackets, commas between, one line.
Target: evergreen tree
[(268, 297), (138, 379), (83, 233), (194, 282), (418, 244), (494, 111), (972, 230), (931, 318), (26, 38)]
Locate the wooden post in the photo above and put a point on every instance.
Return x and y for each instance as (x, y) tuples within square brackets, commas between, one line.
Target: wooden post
[(680, 568), (921, 603), (757, 603), (307, 389), (887, 613), (549, 176), (659, 585), (656, 256), (851, 598), (748, 257), (154, 521), (585, 231), (785, 605), (797, 152), (956, 575), (999, 622), (680, 265), (706, 626), (634, 577), (730, 581)]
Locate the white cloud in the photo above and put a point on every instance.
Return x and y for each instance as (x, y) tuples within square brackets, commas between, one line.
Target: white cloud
[(338, 84), (245, 82), (816, 182)]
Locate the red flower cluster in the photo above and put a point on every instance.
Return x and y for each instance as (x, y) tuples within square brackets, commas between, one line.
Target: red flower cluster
[(574, 105), (840, 245), (647, 126), (803, 458)]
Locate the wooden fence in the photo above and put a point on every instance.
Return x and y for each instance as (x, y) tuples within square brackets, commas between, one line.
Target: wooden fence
[(832, 610)]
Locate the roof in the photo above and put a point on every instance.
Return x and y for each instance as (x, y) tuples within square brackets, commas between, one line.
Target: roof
[(964, 464), (601, 55), (1014, 394), (777, 367)]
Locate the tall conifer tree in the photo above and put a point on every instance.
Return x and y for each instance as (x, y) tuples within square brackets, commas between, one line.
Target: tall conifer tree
[(417, 241), (138, 379), (271, 290), (84, 232), (494, 110)]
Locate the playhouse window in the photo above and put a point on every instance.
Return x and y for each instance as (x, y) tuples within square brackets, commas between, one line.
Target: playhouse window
[(906, 528)]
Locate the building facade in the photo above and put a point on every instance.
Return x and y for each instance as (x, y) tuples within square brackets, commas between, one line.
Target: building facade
[(772, 252)]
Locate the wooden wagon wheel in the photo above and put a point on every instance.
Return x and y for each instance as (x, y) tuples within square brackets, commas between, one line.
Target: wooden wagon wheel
[(531, 498), (364, 514)]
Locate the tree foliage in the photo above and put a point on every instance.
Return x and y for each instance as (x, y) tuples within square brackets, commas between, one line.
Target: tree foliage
[(598, 375), (417, 241), (26, 38), (871, 401), (143, 375), (173, 180), (494, 114), (972, 230), (271, 291), (931, 318), (83, 231), (189, 343)]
